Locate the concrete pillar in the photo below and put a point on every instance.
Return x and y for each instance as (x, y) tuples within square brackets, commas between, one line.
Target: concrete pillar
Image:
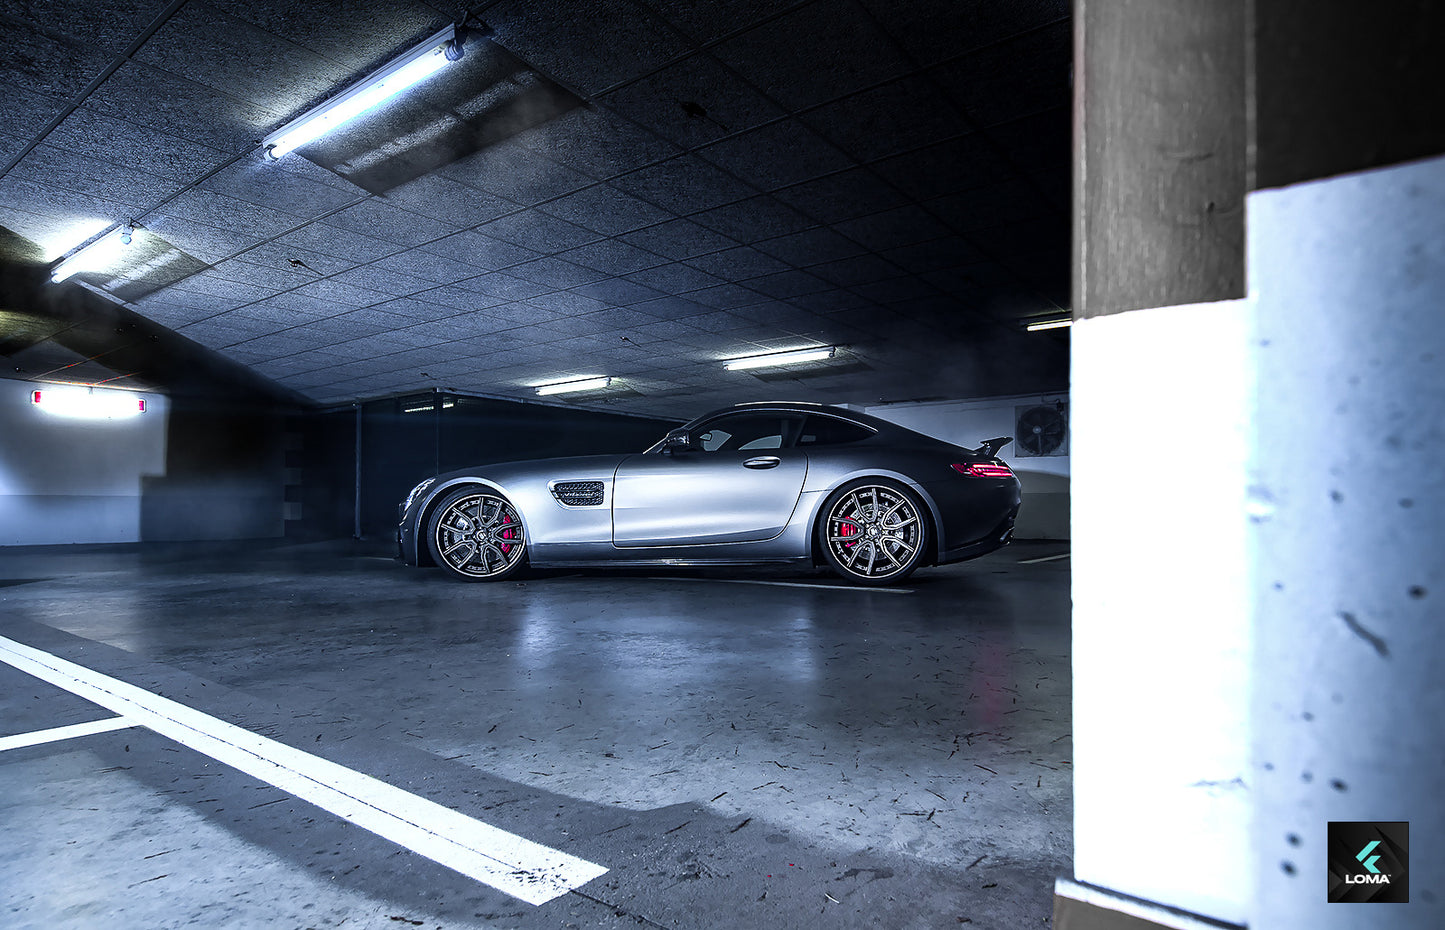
[(1347, 274), (1160, 367), (1348, 537), (1159, 143), (1256, 654)]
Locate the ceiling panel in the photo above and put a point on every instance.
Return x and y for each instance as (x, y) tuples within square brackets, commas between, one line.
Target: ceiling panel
[(179, 106), (890, 176), (694, 102), (517, 173), (605, 210), (621, 39), (929, 31), (822, 51), (450, 201), (777, 155), (708, 22), (65, 169), (1010, 78), (895, 117), (684, 184), (613, 257)]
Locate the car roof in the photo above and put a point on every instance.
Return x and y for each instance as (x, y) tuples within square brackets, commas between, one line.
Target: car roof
[(798, 406)]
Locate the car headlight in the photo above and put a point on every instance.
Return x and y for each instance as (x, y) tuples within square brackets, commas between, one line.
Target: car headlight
[(415, 493)]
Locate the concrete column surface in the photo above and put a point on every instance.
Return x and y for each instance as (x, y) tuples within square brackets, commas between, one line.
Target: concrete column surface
[(1161, 619), (1348, 538), (1159, 153)]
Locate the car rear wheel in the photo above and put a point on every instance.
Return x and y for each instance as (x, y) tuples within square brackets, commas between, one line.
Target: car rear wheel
[(873, 531), (476, 534)]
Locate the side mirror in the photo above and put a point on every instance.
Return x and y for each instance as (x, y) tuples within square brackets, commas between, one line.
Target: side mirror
[(678, 440)]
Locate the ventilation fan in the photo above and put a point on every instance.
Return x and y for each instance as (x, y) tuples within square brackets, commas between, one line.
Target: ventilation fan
[(1042, 429)]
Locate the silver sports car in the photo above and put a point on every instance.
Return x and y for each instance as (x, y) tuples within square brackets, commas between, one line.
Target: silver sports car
[(767, 482)]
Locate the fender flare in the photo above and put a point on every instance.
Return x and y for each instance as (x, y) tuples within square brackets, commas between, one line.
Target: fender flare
[(434, 497)]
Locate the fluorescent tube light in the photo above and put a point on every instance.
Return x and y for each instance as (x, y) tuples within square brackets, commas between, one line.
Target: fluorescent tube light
[(780, 358), (411, 68), (66, 238), (87, 403), (428, 405), (97, 256), (1049, 324), (565, 387)]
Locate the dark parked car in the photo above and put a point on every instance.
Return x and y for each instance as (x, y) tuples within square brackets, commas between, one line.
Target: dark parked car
[(755, 483)]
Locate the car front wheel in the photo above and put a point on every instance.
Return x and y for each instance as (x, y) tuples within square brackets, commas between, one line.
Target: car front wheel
[(476, 534), (873, 531)]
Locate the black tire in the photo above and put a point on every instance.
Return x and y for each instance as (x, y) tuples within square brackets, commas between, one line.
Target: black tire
[(477, 535), (873, 531)]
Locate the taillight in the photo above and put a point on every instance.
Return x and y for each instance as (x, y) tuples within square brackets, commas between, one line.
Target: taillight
[(983, 470)]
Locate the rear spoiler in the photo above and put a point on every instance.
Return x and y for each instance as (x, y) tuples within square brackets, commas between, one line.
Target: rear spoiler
[(991, 447)]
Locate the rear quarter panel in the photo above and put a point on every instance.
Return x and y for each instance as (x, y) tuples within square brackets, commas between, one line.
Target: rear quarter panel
[(963, 509)]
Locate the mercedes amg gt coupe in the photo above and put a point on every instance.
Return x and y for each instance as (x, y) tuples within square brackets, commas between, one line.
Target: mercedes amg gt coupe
[(754, 483)]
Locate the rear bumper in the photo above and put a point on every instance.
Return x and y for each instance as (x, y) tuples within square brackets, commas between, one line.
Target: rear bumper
[(996, 538), (977, 515)]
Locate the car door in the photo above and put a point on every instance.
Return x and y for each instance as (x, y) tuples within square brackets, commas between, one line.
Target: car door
[(738, 482)]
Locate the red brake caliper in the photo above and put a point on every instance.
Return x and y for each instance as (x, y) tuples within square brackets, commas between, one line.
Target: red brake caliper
[(507, 534), (847, 527)]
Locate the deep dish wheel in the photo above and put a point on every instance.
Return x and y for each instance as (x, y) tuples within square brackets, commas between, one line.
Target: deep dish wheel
[(873, 531), (476, 534)]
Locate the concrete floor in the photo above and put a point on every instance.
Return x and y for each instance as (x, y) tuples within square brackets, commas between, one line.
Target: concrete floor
[(751, 748)]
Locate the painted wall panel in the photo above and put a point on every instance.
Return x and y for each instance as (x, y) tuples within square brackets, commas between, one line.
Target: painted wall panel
[(65, 480)]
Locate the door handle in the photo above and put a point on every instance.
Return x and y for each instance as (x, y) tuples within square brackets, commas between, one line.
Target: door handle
[(763, 461)]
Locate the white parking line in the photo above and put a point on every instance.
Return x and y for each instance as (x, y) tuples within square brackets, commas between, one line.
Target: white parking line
[(1047, 558), (56, 734), (788, 584), (521, 868)]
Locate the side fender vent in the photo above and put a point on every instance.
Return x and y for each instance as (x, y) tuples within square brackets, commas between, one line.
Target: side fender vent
[(578, 493)]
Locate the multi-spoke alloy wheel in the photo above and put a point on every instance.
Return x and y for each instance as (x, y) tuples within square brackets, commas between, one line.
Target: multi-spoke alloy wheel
[(477, 534), (873, 531)]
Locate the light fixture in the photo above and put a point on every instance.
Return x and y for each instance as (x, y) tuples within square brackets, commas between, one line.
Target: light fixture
[(88, 404), (1049, 324), (428, 405), (411, 68), (96, 256), (66, 237), (780, 358), (566, 387)]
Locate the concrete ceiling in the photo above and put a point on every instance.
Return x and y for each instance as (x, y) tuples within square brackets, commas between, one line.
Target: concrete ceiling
[(890, 176)]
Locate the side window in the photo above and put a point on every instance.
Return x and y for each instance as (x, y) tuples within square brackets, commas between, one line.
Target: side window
[(744, 432), (830, 431), (712, 438)]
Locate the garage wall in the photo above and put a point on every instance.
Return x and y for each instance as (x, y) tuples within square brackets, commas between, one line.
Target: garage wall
[(1045, 479), (224, 474), (322, 503), (68, 480)]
